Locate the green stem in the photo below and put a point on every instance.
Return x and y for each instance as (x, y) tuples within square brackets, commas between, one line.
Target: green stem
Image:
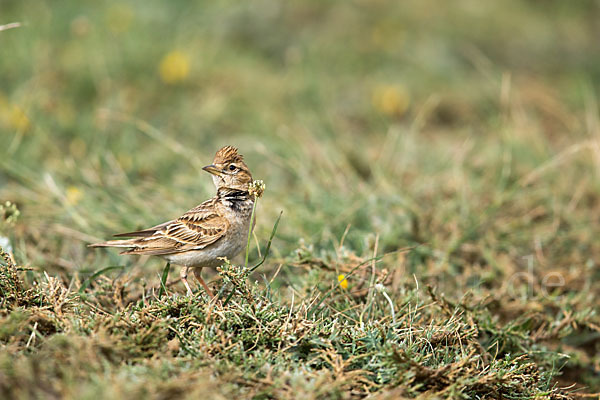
[(269, 243), (163, 280), (250, 231)]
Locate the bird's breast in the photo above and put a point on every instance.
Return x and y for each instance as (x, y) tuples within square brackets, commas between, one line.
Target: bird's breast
[(238, 213)]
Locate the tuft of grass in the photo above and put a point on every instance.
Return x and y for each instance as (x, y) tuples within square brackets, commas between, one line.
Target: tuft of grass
[(258, 346)]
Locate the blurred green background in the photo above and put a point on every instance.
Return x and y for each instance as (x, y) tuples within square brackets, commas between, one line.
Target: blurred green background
[(469, 128), (412, 120)]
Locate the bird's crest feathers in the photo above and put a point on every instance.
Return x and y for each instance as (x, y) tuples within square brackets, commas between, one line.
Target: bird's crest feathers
[(228, 154)]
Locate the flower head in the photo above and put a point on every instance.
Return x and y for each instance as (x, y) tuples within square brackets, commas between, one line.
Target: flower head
[(74, 194), (174, 67), (343, 281), (391, 100), (256, 188)]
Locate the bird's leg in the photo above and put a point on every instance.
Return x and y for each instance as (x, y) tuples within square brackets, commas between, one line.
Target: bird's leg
[(183, 274), (198, 275)]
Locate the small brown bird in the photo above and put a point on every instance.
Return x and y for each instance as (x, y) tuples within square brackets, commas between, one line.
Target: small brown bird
[(214, 229)]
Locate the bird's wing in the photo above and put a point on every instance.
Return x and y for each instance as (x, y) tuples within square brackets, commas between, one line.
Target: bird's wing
[(194, 230)]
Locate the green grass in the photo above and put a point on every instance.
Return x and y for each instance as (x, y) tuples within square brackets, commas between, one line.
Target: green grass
[(445, 154)]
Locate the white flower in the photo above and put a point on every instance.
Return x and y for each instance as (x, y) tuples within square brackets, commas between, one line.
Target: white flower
[(256, 188)]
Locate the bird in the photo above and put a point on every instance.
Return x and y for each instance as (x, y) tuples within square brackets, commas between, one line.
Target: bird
[(215, 229)]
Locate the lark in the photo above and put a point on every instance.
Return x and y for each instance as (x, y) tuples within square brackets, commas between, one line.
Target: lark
[(201, 237)]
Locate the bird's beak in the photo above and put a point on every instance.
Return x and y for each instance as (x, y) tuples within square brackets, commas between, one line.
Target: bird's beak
[(211, 169)]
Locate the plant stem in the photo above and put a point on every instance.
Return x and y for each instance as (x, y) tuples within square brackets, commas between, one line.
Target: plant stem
[(250, 231)]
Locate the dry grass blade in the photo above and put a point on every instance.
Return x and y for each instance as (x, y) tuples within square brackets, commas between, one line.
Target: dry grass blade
[(12, 25)]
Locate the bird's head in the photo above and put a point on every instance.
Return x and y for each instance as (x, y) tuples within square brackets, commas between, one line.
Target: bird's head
[(229, 170)]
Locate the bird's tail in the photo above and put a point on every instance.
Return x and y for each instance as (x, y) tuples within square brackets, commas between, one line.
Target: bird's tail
[(115, 243)]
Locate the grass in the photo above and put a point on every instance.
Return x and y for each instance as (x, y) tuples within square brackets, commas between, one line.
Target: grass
[(442, 155)]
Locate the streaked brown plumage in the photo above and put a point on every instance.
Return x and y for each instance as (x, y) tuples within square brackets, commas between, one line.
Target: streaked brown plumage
[(216, 228)]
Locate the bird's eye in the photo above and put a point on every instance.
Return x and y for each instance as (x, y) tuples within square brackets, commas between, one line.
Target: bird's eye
[(232, 167)]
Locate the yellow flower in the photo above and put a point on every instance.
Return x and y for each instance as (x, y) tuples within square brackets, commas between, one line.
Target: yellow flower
[(17, 119), (343, 281), (174, 67), (391, 99), (74, 194), (13, 116)]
